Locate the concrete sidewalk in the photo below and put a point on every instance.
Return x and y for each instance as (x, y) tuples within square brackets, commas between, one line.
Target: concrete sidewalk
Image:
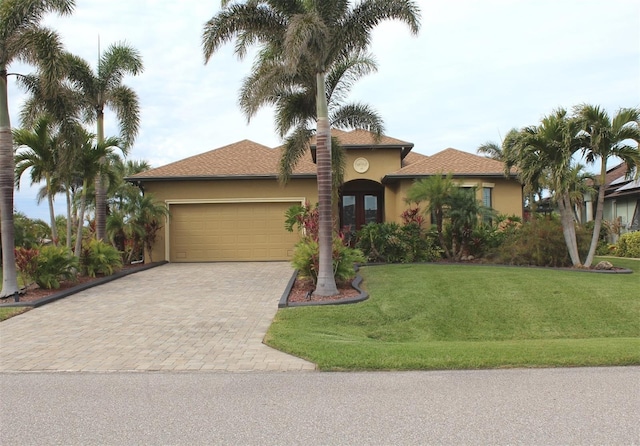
[(176, 317)]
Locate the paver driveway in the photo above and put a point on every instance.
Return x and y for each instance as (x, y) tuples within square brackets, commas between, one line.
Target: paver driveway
[(210, 316)]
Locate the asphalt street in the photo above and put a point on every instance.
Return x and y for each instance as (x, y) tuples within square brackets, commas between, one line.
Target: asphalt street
[(516, 406)]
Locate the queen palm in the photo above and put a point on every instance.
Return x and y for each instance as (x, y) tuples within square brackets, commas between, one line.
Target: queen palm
[(40, 153), (605, 138), (313, 36), (104, 88), (22, 38)]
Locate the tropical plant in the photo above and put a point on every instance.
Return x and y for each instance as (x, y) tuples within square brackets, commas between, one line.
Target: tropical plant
[(545, 156), (393, 243), (29, 233), (55, 263), (306, 259), (435, 191), (101, 89), (464, 213), (27, 263), (22, 38), (92, 162), (603, 138), (40, 154), (538, 242), (99, 257), (308, 38)]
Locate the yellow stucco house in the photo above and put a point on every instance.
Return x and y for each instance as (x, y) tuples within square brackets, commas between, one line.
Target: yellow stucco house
[(227, 204)]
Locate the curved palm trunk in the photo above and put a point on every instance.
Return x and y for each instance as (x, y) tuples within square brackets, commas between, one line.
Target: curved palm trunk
[(7, 166), (598, 217), (569, 229), (101, 193), (326, 285)]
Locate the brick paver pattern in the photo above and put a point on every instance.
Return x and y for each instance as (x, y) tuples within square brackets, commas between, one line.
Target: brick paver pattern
[(176, 317)]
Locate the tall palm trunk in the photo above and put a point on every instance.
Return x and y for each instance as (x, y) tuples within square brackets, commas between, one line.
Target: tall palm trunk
[(7, 167), (569, 229), (83, 203), (101, 193), (326, 285), (69, 219), (52, 212), (598, 217)]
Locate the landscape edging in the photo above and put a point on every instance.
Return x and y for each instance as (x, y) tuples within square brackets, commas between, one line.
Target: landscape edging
[(81, 287), (355, 284)]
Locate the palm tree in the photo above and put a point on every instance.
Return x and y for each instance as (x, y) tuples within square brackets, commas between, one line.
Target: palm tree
[(104, 88), (545, 157), (605, 138), (42, 157), (91, 164), (313, 36), (294, 99), (21, 38), (436, 190)]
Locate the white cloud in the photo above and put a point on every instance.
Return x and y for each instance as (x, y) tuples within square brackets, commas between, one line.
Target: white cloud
[(477, 69)]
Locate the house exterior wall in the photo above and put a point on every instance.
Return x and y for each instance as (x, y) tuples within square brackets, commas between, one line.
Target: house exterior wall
[(174, 192), (506, 196), (381, 162), (623, 208), (506, 193)]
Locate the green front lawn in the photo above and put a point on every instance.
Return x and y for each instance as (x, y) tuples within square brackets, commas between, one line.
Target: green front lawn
[(459, 317)]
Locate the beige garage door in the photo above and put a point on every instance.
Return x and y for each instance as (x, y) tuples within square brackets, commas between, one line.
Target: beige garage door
[(229, 231)]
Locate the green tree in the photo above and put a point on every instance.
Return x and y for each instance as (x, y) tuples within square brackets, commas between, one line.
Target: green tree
[(40, 154), (604, 138), (101, 89), (92, 162), (436, 190), (545, 156), (464, 213), (22, 38), (308, 35)]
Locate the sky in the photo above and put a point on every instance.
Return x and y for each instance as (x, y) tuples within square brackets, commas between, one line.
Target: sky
[(476, 69)]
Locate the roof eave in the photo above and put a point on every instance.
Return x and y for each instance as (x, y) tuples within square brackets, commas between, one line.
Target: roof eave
[(393, 178), (404, 149), (138, 180)]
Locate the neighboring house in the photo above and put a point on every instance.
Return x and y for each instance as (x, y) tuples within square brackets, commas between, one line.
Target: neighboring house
[(227, 204), (621, 200)]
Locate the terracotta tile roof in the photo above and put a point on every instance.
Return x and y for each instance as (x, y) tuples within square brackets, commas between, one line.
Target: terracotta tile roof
[(452, 161)]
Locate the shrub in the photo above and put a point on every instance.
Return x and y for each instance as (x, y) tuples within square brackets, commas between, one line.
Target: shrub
[(306, 255), (539, 242), (629, 245), (392, 243), (99, 257), (27, 263), (55, 264)]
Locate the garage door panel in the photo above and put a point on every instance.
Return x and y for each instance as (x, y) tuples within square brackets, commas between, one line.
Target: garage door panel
[(229, 231)]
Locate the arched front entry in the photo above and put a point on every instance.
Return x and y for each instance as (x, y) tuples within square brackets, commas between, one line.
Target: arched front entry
[(361, 202)]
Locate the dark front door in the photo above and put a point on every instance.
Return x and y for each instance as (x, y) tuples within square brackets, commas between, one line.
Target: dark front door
[(358, 208)]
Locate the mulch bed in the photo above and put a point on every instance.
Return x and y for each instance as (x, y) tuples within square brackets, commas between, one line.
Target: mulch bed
[(33, 292), (302, 291)]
